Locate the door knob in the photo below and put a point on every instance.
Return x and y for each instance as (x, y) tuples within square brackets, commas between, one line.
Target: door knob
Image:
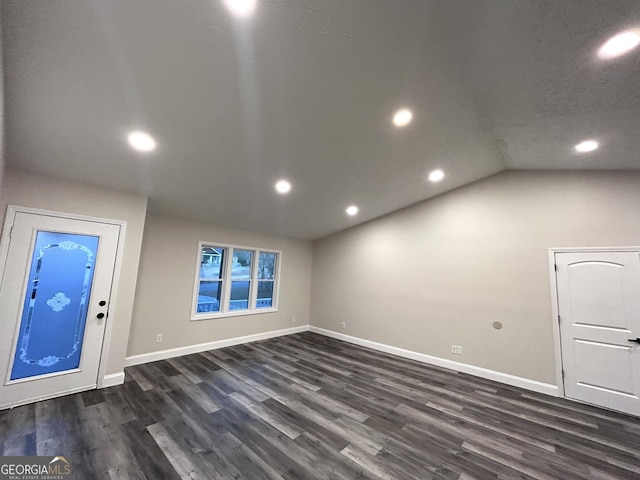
[(637, 340), (102, 303), (100, 315)]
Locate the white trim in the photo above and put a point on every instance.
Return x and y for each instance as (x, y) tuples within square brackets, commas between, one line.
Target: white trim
[(226, 281), (555, 311), (13, 209), (112, 380), (231, 313), (532, 385), (557, 346), (47, 397), (10, 216), (506, 378), (202, 347), (593, 249), (113, 303)]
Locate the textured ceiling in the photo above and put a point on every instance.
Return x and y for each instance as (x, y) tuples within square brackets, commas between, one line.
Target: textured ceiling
[(305, 90)]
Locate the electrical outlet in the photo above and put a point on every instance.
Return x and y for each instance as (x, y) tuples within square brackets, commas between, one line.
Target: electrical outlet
[(158, 338), (344, 324), (456, 349), (294, 319)]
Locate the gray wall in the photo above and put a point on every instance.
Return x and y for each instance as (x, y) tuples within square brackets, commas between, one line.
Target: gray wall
[(2, 119), (423, 278), (440, 272), (37, 191), (166, 282)]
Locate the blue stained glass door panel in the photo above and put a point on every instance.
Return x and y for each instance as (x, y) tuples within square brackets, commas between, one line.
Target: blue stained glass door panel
[(55, 304)]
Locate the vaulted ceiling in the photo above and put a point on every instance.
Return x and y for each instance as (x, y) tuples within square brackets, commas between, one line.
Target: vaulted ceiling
[(305, 90)]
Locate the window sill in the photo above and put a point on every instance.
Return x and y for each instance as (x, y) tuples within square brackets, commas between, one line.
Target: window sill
[(235, 313)]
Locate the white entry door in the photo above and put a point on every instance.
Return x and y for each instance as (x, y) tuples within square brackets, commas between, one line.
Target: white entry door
[(599, 309), (54, 297)]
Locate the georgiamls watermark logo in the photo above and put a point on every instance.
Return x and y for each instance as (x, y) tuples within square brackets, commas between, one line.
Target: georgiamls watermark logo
[(34, 468)]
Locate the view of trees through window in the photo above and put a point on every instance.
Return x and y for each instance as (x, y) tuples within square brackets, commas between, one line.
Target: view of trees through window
[(266, 278), (240, 279), (249, 279)]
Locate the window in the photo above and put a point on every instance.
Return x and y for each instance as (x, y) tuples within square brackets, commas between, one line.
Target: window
[(210, 289), (235, 280), (266, 279)]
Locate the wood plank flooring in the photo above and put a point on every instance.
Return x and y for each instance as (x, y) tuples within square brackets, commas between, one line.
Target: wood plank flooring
[(309, 407)]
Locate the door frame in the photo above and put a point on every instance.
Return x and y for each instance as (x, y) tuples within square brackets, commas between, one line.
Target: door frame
[(13, 210), (555, 313)]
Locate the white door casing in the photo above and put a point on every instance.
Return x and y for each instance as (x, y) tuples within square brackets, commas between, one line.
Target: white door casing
[(16, 251), (598, 306)]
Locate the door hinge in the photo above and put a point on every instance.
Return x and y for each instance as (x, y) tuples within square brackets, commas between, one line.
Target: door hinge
[(558, 318), (563, 375), (555, 267), (11, 231)]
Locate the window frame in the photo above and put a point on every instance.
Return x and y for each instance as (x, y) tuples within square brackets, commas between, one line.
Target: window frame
[(255, 281), (222, 281), (226, 282)]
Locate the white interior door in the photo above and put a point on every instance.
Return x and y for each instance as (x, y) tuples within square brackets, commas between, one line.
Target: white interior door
[(54, 298), (599, 309)]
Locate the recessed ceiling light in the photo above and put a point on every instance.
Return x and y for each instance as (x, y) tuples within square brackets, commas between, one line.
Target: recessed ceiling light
[(402, 117), (436, 176), (241, 8), (352, 210), (619, 44), (141, 141), (282, 186), (587, 146)]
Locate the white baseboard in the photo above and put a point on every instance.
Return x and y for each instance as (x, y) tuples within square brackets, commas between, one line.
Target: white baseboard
[(48, 396), (112, 380), (506, 378), (533, 385), (202, 347)]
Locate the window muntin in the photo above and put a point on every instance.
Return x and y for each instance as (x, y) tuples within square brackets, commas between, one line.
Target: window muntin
[(241, 279), (266, 279), (235, 280), (211, 281)]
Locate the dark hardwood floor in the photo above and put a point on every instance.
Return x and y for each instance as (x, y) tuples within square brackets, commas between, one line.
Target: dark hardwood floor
[(307, 407)]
